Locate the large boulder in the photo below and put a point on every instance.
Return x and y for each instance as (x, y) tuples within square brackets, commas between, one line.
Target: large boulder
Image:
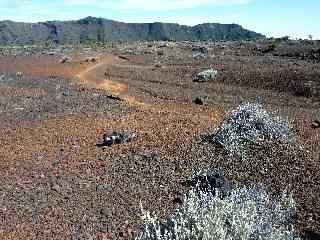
[(206, 75)]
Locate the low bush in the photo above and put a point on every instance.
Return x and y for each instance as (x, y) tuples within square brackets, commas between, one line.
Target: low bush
[(271, 47), (245, 214), (251, 124)]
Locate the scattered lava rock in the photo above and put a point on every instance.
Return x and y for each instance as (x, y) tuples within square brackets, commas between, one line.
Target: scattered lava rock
[(103, 188), (124, 57), (158, 65), (201, 49), (310, 235), (199, 100), (315, 124), (199, 56), (160, 53), (113, 97), (91, 59), (209, 181), (112, 138), (206, 76), (19, 74), (178, 200), (64, 60)]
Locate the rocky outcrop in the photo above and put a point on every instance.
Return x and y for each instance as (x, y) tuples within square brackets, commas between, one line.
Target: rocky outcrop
[(99, 29)]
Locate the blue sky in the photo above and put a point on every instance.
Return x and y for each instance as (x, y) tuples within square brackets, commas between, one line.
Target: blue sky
[(295, 18)]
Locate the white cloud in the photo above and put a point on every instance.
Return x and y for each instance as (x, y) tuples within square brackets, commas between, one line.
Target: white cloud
[(155, 5), (135, 5), (29, 11), (11, 4)]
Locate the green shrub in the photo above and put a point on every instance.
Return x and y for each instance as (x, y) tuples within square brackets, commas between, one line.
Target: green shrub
[(271, 47)]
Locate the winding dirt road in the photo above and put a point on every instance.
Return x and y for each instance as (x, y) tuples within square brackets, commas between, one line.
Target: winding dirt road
[(92, 76)]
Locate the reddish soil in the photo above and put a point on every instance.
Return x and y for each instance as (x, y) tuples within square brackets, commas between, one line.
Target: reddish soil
[(58, 185)]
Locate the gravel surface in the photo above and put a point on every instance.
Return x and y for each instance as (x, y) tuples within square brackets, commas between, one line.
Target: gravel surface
[(56, 183)]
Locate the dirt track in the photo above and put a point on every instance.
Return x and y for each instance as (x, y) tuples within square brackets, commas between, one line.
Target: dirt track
[(90, 78), (93, 77)]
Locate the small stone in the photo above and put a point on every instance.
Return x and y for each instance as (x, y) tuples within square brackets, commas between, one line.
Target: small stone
[(55, 163), (178, 200), (199, 101), (104, 188), (106, 212), (2, 77), (124, 57), (160, 53), (315, 124), (114, 97), (163, 45), (209, 181), (201, 49), (19, 74), (199, 56), (65, 94), (91, 59), (206, 76), (64, 60), (56, 188), (117, 138)]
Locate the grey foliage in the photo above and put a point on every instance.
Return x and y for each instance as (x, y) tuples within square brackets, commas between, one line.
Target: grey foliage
[(247, 213), (251, 124)]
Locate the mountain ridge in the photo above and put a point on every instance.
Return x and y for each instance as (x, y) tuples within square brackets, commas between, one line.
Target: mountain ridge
[(101, 29)]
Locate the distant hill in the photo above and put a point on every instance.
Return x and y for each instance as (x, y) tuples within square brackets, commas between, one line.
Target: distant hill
[(99, 29)]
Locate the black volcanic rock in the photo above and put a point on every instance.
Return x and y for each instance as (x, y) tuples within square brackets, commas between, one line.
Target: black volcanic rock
[(99, 29)]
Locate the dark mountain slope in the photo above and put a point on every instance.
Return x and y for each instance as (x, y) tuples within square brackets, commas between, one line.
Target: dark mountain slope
[(99, 29)]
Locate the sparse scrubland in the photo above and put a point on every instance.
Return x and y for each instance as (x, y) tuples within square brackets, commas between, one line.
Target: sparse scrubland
[(246, 213), (106, 141), (242, 212)]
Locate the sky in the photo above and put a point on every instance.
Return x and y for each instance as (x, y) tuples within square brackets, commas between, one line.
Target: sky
[(273, 18)]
